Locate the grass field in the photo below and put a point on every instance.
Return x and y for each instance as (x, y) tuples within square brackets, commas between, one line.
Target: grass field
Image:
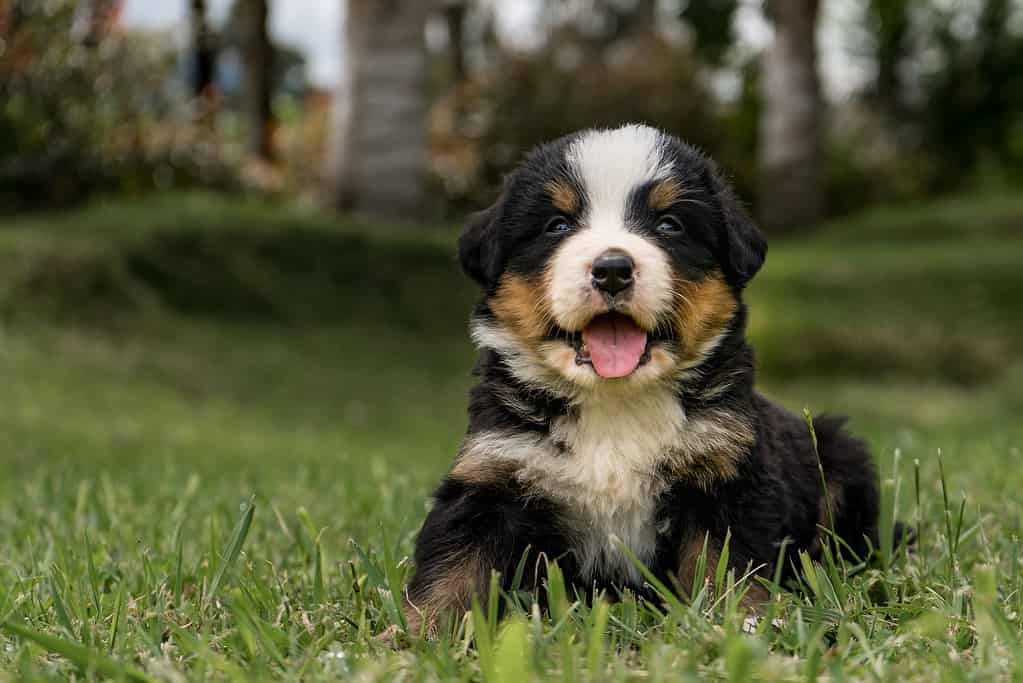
[(220, 423)]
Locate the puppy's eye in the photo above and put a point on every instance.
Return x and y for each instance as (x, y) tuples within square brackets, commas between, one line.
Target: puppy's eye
[(670, 225), (557, 226)]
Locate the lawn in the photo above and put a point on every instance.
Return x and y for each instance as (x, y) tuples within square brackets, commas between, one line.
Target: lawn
[(221, 422)]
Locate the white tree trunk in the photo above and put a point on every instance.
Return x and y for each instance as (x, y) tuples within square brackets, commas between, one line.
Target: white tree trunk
[(790, 143), (378, 129)]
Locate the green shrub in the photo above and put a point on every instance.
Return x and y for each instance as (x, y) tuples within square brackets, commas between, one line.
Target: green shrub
[(83, 112)]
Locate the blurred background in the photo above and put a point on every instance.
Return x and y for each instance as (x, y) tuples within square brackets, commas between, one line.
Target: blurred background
[(227, 230), (815, 108)]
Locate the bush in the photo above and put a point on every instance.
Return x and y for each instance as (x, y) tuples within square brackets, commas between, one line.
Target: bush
[(83, 111), (529, 98)]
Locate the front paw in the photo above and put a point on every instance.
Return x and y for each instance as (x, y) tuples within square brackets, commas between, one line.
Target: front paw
[(419, 626), (393, 637)]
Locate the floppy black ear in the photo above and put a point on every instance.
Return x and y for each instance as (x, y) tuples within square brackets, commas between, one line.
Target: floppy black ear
[(742, 244), (478, 249)]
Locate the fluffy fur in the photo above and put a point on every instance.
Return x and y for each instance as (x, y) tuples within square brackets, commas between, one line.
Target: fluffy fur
[(566, 463)]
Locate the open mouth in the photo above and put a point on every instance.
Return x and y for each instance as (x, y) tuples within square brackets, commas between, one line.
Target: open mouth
[(613, 344)]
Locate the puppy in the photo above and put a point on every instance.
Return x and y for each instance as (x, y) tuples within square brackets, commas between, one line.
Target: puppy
[(615, 404)]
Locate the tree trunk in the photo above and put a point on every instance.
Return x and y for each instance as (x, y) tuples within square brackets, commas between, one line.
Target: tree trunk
[(258, 55), (203, 52), (454, 15), (378, 130), (791, 186)]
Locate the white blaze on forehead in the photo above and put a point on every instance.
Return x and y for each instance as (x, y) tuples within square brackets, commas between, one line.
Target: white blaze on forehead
[(611, 163)]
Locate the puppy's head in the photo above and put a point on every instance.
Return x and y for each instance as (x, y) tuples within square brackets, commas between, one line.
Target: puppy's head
[(612, 258)]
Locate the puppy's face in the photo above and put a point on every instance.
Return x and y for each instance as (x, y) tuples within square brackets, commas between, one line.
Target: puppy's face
[(612, 259)]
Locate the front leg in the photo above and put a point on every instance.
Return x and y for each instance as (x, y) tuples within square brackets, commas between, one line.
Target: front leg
[(474, 529), (691, 579)]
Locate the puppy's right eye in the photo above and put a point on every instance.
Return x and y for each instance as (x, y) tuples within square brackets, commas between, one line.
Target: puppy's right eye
[(557, 226)]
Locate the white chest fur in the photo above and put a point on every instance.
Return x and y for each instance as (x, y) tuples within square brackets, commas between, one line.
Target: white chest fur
[(600, 461), (608, 475)]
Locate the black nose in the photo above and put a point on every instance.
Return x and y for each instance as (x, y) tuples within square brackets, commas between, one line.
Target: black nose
[(612, 272)]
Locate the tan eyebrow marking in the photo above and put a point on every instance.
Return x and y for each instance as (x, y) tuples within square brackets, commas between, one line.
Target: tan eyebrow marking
[(563, 195), (664, 194)]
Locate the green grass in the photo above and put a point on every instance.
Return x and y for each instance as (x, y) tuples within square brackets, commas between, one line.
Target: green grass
[(220, 423)]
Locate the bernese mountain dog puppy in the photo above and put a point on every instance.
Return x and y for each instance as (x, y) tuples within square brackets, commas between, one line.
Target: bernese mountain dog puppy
[(615, 404)]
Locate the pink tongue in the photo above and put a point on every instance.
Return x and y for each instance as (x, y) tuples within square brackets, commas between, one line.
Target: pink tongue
[(616, 345)]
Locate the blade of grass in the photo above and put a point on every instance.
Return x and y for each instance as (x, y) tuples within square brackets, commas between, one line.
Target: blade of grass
[(116, 623), (319, 588), (58, 604), (93, 575), (234, 548), (393, 606), (948, 521), (484, 641), (393, 577), (921, 546), (85, 659), (722, 566), (820, 469), (493, 595), (890, 490), (259, 632), (178, 576), (700, 572), (511, 661), (597, 645), (663, 591)]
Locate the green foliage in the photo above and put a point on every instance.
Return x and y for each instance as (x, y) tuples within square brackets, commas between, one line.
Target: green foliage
[(946, 101), (890, 27), (84, 112), (712, 24), (132, 440), (973, 111), (942, 108), (569, 85)]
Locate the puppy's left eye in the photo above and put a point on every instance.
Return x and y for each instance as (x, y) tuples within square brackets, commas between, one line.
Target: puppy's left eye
[(669, 225), (557, 226)]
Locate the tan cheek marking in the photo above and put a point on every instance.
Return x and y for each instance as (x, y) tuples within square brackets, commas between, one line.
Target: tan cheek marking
[(520, 305), (564, 197), (703, 311), (664, 194)]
